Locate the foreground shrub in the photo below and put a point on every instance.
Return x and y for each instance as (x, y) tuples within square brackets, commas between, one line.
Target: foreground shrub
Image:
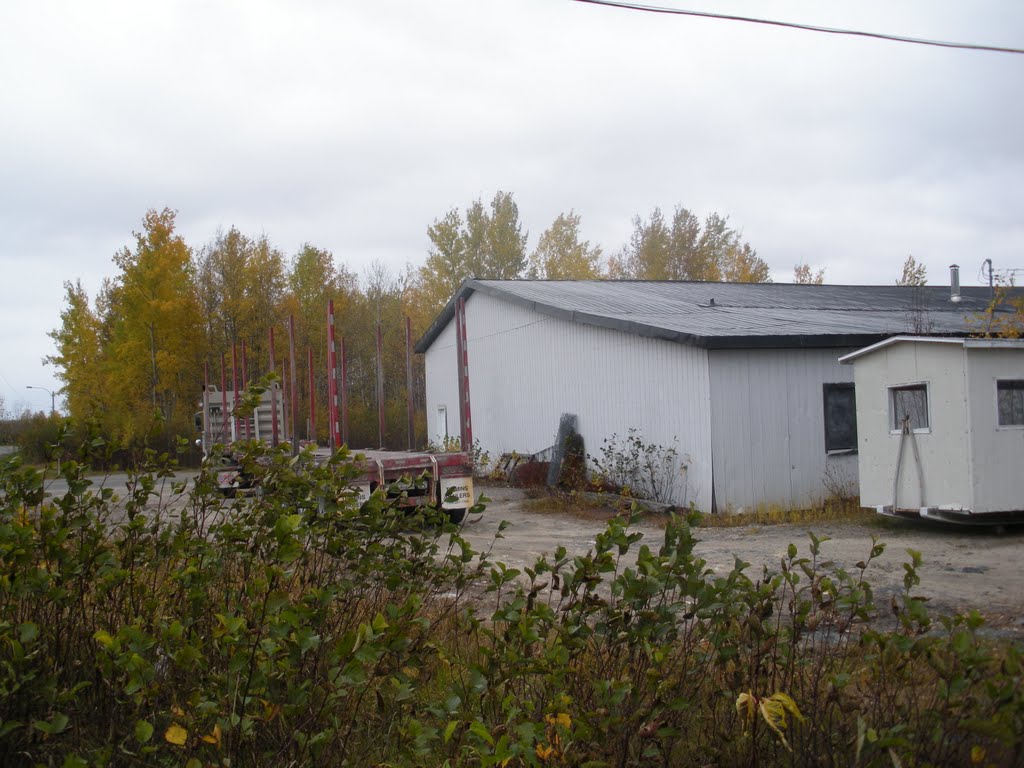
[(290, 627), (297, 627)]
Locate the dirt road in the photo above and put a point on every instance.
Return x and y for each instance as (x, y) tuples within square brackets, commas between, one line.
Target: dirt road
[(962, 568)]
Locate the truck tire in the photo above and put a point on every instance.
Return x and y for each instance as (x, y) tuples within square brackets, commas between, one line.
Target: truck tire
[(456, 516)]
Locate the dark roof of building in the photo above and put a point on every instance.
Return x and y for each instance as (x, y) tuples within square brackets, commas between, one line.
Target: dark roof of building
[(741, 315)]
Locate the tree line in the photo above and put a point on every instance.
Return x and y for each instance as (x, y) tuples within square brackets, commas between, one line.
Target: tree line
[(131, 359)]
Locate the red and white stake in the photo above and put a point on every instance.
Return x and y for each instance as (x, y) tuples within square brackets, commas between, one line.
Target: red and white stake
[(380, 385), (343, 384), (273, 395), (332, 380), (223, 398), (408, 383), (236, 433), (311, 432), (294, 385)]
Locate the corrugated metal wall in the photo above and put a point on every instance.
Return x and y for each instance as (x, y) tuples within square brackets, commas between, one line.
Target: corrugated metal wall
[(442, 387), (768, 427), (527, 369), (997, 453)]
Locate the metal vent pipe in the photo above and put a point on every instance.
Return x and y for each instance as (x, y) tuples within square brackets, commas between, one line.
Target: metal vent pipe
[(954, 283)]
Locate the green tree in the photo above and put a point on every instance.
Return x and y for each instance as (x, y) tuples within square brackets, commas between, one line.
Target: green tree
[(447, 264), (914, 273), (487, 244), (561, 255)]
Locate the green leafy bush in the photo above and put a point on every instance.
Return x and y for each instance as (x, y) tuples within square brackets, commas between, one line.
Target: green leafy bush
[(297, 627)]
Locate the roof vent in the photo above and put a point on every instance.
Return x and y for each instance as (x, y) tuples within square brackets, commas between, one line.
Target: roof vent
[(711, 302), (954, 283)]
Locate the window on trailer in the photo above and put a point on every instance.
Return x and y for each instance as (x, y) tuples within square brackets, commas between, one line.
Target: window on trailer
[(909, 402), (840, 405), (1010, 400)]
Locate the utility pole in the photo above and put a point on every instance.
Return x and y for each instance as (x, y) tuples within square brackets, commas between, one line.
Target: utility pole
[(53, 410)]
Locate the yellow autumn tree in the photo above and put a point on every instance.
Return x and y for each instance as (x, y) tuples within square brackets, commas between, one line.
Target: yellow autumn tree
[(561, 254), (155, 341), (313, 279), (79, 355), (241, 284), (804, 275), (687, 249)]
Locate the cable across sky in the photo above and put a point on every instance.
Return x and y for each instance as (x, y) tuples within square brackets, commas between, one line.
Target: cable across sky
[(805, 27)]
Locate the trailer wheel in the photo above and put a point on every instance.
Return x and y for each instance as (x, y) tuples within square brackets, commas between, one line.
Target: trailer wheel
[(456, 516)]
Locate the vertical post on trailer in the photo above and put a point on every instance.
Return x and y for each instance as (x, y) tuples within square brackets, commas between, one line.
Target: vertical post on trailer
[(246, 428), (273, 394), (462, 353), (285, 400), (311, 432), (380, 384), (223, 398), (344, 393), (234, 393), (408, 383), (332, 380), (294, 384), (207, 427)]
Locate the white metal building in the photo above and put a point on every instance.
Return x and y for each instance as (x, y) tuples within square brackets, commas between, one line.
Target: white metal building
[(745, 377), (941, 426)]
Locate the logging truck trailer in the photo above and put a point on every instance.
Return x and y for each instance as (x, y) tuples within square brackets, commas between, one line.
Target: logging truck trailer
[(416, 478), (413, 478)]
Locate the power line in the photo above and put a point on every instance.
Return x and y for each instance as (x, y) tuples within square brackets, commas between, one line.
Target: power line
[(805, 27)]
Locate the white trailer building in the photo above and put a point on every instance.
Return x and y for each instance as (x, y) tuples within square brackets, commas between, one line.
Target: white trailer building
[(940, 425), (745, 377)]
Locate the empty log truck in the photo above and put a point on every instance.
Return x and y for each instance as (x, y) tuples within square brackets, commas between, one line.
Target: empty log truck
[(222, 422)]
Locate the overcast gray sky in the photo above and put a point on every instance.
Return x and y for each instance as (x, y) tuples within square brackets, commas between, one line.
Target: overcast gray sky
[(352, 125)]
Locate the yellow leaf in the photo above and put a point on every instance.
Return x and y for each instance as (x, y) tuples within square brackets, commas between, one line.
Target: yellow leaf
[(774, 709), (562, 719), (175, 734), (214, 736), (977, 754), (746, 705)]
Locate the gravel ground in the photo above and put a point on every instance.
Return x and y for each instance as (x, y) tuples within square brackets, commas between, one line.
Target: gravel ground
[(962, 568)]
